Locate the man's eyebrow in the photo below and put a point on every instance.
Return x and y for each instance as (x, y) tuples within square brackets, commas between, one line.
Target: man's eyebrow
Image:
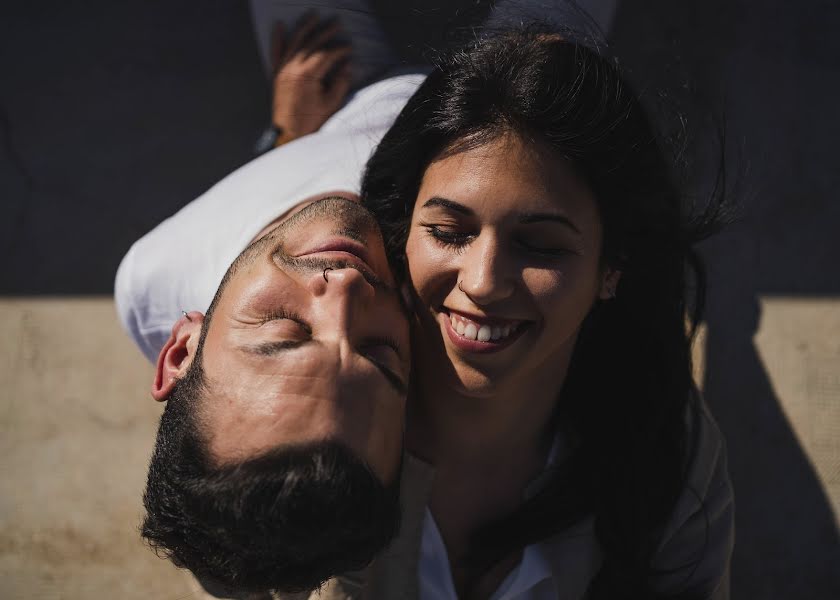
[(527, 218), (449, 204), (272, 348)]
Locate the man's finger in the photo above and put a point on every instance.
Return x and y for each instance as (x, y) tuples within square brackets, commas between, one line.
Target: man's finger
[(320, 63), (303, 29), (322, 37), (278, 42), (340, 86)]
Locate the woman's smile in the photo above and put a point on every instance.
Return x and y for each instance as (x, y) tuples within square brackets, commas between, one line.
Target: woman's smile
[(480, 334)]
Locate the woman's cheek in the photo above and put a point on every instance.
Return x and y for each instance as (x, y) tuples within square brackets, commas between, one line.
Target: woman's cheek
[(429, 268), (545, 287)]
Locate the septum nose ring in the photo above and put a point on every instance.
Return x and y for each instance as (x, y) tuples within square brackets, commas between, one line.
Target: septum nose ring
[(325, 273)]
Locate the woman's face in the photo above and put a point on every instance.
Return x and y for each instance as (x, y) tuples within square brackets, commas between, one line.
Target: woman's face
[(504, 258)]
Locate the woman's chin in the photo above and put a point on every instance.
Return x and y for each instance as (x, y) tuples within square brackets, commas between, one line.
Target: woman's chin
[(469, 381)]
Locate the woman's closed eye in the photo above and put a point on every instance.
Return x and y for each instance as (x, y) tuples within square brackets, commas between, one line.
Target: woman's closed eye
[(549, 240), (452, 237), (449, 236), (548, 250)]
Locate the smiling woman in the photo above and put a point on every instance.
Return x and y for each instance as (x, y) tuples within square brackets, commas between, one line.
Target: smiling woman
[(505, 237), (530, 211)]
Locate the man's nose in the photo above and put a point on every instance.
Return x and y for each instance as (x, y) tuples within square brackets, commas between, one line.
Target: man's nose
[(486, 273), (343, 289)]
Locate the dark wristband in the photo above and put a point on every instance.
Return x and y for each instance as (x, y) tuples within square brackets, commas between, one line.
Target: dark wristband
[(268, 138)]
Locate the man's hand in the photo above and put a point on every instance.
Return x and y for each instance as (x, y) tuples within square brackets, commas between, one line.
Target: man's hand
[(312, 77)]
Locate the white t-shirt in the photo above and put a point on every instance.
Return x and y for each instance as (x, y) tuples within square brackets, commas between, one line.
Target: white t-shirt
[(180, 263), (531, 579), (693, 555)]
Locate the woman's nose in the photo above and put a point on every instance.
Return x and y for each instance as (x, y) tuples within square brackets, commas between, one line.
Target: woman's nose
[(486, 273)]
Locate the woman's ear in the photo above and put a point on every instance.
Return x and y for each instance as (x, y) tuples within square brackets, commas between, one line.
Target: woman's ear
[(609, 283), (177, 354)]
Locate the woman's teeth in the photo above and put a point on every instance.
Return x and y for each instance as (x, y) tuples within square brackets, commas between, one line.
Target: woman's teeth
[(482, 333)]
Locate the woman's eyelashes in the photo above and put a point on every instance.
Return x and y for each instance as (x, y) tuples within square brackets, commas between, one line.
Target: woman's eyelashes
[(449, 237)]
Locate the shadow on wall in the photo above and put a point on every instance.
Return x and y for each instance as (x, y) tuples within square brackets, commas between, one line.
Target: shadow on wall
[(772, 71)]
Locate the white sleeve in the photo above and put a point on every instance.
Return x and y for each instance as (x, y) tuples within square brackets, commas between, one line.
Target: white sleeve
[(179, 264), (133, 310)]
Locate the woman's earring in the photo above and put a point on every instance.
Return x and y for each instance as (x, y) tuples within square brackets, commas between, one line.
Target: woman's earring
[(611, 284)]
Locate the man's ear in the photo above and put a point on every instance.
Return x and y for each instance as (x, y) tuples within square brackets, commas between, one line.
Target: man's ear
[(609, 283), (177, 354)]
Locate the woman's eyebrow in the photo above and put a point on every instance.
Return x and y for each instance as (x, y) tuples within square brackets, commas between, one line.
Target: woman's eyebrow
[(437, 201), (527, 218)]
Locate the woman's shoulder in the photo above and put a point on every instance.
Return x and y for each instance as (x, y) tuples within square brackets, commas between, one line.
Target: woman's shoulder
[(697, 542), (707, 465)]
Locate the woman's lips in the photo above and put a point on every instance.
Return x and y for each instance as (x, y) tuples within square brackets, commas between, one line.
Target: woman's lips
[(481, 336)]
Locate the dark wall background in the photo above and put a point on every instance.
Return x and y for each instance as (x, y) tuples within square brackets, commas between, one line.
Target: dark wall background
[(115, 114), (112, 116)]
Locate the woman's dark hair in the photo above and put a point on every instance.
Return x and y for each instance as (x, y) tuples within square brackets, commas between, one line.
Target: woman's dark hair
[(629, 387)]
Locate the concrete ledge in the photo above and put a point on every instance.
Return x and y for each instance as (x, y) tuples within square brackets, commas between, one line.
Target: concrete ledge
[(77, 425)]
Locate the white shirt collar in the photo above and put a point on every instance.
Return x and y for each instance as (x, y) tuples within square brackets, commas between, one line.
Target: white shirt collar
[(525, 582)]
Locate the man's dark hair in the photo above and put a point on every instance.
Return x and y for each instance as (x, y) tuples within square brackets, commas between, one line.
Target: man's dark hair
[(287, 520)]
